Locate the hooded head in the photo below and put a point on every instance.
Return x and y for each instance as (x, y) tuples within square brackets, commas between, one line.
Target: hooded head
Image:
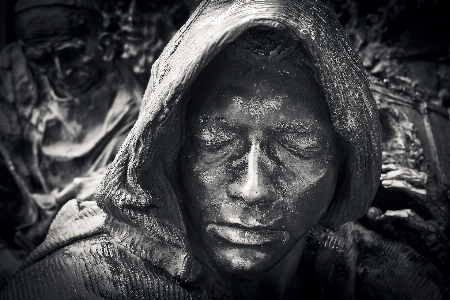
[(64, 40), (257, 114), (261, 159)]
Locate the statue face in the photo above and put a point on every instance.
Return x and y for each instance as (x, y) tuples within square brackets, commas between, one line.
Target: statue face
[(135, 17), (260, 162), (140, 31), (71, 59)]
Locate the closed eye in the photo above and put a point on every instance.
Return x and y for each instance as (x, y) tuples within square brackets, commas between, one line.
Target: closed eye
[(214, 139), (38, 56), (71, 53), (306, 145)]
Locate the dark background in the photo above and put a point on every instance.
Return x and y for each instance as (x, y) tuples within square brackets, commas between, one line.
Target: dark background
[(7, 31), (407, 41)]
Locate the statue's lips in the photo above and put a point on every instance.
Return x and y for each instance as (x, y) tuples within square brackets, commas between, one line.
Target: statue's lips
[(237, 234), (132, 34)]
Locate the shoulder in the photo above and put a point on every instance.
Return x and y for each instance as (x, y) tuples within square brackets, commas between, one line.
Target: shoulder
[(367, 265), (62, 274), (89, 265)]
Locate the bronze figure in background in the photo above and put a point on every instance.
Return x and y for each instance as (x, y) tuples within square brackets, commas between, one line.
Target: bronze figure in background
[(66, 107), (141, 29)]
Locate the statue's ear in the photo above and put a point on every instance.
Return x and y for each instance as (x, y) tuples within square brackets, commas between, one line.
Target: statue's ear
[(107, 46)]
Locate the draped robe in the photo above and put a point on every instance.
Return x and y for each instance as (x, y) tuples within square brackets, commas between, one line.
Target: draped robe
[(133, 244)]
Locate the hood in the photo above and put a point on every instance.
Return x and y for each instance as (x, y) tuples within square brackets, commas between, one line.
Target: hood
[(140, 193)]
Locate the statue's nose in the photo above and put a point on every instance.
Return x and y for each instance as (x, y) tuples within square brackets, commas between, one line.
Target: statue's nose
[(132, 14), (61, 71), (254, 185)]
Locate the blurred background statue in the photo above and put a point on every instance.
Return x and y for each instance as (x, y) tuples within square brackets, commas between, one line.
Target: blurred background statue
[(141, 29), (66, 107)]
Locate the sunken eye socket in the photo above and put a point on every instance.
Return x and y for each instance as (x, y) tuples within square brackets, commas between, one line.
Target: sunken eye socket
[(214, 139), (38, 56), (304, 145), (43, 57), (71, 53)]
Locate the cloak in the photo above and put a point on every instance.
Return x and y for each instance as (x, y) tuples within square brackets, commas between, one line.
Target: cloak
[(132, 243)]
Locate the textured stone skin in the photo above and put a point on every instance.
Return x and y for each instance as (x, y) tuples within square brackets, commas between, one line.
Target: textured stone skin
[(136, 246)]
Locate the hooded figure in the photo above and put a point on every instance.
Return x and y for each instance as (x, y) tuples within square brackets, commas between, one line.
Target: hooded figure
[(257, 138), (65, 108)]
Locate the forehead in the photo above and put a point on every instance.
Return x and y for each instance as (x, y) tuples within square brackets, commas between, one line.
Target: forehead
[(259, 95), (52, 24)]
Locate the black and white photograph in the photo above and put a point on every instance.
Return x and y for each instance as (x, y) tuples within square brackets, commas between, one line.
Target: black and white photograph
[(225, 149)]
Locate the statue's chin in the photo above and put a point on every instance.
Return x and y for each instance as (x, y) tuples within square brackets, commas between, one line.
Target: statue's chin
[(249, 260)]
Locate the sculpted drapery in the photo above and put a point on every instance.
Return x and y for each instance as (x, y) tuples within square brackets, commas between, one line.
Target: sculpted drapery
[(134, 242)]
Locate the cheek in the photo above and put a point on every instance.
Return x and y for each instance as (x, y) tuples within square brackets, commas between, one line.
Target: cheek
[(210, 175), (210, 170), (205, 182), (91, 59), (307, 192)]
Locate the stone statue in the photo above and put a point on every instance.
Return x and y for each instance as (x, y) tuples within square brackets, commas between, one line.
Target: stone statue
[(142, 28), (65, 108), (257, 145)]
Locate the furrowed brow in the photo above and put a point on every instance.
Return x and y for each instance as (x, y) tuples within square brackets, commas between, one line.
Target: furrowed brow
[(74, 43), (298, 127)]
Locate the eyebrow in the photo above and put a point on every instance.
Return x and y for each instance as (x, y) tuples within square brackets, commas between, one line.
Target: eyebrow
[(223, 124), (38, 47), (63, 45), (297, 127), (48, 47), (292, 127)]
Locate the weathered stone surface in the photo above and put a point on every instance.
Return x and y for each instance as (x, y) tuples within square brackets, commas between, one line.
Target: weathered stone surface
[(404, 47)]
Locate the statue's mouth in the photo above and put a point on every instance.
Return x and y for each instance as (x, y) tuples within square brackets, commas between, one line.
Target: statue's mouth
[(74, 87), (252, 236), (132, 33)]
